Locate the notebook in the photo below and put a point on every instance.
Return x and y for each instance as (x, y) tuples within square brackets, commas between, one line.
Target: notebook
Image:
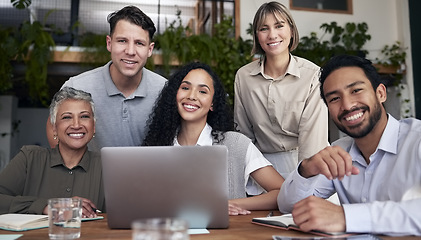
[(188, 182), (286, 222), (25, 222)]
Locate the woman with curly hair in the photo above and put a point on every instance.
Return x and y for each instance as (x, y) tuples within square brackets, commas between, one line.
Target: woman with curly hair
[(193, 110)]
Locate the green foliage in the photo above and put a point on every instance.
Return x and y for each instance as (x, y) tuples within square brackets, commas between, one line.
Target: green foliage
[(222, 51), (313, 49), (177, 43), (353, 36), (394, 56), (95, 49), (231, 54), (35, 51), (8, 50), (349, 39), (31, 45)]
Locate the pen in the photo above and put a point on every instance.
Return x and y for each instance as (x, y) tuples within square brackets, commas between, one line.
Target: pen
[(97, 210)]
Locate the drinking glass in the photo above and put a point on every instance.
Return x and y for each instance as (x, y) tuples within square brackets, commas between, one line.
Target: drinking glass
[(64, 216), (160, 229)]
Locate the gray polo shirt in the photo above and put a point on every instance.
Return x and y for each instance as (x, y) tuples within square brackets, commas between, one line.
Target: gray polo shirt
[(120, 121)]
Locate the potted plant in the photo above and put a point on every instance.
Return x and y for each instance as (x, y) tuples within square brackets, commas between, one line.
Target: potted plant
[(222, 50), (393, 67), (30, 45), (392, 62), (27, 47), (349, 39)]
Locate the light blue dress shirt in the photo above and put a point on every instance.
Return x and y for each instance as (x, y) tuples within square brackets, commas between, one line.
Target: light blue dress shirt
[(385, 196)]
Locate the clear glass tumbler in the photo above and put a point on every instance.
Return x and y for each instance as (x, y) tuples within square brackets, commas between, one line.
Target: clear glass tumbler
[(160, 229), (64, 216)]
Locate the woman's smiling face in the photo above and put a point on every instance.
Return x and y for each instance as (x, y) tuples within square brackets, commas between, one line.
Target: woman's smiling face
[(74, 125), (274, 35), (195, 96)]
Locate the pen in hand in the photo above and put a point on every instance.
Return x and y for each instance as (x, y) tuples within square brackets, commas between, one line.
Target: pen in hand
[(96, 210)]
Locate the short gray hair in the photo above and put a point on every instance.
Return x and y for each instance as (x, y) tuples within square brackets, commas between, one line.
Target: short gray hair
[(67, 93)]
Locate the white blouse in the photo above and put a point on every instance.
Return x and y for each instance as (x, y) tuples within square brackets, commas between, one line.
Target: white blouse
[(254, 160)]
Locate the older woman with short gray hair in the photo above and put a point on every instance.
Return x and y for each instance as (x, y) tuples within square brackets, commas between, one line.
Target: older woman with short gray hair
[(36, 173)]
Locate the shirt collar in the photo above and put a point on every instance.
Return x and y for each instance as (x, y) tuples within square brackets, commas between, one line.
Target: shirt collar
[(388, 141), (205, 137), (57, 160), (292, 68), (141, 90)]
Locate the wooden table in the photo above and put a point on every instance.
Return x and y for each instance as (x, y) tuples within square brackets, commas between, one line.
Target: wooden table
[(240, 228)]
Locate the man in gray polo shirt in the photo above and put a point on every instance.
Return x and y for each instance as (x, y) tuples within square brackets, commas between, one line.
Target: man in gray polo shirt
[(123, 90)]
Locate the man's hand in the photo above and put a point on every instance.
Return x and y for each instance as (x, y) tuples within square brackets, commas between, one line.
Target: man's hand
[(332, 161), (315, 213)]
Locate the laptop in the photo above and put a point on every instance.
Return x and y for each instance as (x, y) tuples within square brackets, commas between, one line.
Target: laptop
[(188, 182)]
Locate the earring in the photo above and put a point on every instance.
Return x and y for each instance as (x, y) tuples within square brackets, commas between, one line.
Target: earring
[(55, 137), (93, 135)]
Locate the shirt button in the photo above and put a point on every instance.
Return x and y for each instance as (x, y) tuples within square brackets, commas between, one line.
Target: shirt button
[(67, 189), (70, 172), (363, 199), (125, 110)]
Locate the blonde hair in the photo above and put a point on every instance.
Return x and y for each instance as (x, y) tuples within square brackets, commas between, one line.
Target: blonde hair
[(279, 11)]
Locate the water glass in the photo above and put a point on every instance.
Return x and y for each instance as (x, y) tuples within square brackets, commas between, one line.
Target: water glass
[(64, 216), (160, 229)]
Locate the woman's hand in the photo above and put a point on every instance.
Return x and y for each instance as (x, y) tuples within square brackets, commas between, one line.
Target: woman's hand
[(45, 210), (234, 209), (88, 208)]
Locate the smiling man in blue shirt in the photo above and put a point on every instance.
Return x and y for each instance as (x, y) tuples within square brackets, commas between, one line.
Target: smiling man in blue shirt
[(376, 169)]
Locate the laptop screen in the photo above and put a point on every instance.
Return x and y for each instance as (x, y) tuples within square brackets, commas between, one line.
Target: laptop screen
[(187, 182)]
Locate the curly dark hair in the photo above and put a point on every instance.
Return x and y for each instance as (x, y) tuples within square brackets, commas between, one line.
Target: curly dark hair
[(165, 120)]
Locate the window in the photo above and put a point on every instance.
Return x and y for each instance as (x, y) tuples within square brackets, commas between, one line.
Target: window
[(333, 6)]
